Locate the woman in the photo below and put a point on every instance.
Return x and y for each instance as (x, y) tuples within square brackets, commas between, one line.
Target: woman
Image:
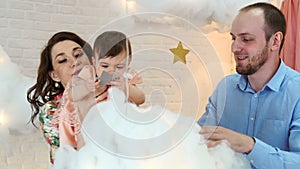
[(62, 58)]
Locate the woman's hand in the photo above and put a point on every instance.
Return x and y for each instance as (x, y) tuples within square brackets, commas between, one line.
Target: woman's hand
[(101, 94)]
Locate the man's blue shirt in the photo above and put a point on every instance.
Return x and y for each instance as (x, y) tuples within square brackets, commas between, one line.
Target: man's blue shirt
[(271, 116)]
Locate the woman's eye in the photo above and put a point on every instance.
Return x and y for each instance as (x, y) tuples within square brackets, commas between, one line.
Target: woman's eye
[(62, 61), (79, 55)]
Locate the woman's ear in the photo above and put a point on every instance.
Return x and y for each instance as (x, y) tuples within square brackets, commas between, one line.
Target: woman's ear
[(276, 41), (54, 76)]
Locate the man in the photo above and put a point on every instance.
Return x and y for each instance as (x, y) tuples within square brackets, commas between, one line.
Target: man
[(257, 111)]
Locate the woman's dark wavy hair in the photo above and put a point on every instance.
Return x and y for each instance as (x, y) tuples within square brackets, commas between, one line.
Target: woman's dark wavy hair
[(46, 89)]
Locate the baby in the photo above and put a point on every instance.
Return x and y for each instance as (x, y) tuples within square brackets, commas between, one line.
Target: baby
[(110, 55)]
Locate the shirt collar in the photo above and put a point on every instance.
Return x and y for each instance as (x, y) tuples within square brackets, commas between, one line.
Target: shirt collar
[(276, 81), (243, 83), (274, 84)]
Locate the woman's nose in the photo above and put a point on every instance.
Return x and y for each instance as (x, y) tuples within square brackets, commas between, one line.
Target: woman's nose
[(74, 61)]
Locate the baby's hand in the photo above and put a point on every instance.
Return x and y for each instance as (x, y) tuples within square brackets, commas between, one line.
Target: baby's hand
[(119, 82), (135, 78)]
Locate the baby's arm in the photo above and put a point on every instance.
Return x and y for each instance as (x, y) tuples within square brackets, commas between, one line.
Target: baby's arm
[(136, 95)]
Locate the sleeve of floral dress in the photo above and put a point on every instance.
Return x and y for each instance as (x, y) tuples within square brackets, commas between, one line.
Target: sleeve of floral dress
[(48, 127)]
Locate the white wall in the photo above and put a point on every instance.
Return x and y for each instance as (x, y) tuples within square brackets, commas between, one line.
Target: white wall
[(26, 25)]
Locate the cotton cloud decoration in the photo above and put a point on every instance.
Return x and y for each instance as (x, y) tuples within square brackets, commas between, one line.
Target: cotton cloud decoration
[(213, 14), (112, 141), (15, 111)]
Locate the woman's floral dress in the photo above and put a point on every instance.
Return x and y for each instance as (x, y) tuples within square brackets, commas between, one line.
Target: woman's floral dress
[(49, 129)]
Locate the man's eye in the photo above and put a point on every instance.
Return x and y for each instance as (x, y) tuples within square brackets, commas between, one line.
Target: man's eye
[(62, 61), (246, 39)]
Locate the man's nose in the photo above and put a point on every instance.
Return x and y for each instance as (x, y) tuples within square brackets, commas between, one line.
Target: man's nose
[(235, 46)]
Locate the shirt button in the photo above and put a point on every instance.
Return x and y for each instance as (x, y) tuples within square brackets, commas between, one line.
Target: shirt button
[(251, 118), (255, 95)]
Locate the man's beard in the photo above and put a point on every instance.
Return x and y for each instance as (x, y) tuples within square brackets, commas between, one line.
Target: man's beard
[(256, 62)]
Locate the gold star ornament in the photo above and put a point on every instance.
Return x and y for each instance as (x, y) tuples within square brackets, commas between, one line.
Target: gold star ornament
[(179, 53)]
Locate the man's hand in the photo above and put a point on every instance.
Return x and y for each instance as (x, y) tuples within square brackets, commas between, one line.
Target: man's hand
[(238, 142)]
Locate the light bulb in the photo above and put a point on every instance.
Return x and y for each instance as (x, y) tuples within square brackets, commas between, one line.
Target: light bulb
[(2, 118), (130, 6)]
